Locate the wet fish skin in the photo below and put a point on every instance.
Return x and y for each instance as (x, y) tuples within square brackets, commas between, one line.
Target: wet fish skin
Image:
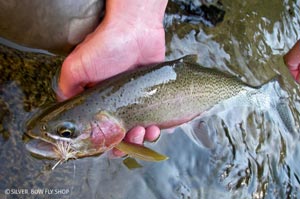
[(167, 94)]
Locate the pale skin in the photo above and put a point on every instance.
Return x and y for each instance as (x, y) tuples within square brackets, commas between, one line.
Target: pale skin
[(292, 60), (130, 35)]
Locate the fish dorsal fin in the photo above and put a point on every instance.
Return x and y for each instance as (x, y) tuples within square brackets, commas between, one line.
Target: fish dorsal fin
[(189, 58)]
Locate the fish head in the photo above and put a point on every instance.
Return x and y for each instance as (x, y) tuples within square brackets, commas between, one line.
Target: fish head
[(64, 138)]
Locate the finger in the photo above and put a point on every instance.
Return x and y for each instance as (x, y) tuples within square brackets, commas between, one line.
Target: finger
[(72, 78), (136, 135), (295, 74), (298, 77), (117, 153), (292, 58), (152, 133)]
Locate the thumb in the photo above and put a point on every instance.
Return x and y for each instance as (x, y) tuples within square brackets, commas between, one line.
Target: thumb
[(72, 78)]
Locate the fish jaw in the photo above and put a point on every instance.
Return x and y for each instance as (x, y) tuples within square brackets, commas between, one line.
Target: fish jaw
[(42, 149)]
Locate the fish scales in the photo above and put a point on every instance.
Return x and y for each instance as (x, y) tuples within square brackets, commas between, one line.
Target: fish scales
[(157, 95)]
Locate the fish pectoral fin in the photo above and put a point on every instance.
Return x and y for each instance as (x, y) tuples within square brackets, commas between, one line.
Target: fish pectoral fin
[(140, 152)]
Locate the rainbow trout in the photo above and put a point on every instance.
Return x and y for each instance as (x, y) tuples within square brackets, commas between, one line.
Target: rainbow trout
[(166, 94)]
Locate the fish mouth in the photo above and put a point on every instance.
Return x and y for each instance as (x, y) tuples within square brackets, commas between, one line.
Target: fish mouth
[(51, 147)]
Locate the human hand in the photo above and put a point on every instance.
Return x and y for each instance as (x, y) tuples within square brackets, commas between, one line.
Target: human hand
[(292, 60), (131, 34)]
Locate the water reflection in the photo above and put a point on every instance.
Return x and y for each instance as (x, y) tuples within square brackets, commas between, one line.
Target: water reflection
[(240, 151)]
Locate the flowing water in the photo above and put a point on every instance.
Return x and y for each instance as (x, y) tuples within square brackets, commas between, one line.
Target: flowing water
[(239, 151)]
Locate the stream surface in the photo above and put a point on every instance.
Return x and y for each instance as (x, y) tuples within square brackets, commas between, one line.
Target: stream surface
[(241, 151)]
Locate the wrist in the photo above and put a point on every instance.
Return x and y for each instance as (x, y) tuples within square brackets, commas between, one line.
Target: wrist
[(136, 12)]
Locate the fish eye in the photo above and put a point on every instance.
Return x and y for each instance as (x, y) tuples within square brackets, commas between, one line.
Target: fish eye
[(43, 127), (66, 129)]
